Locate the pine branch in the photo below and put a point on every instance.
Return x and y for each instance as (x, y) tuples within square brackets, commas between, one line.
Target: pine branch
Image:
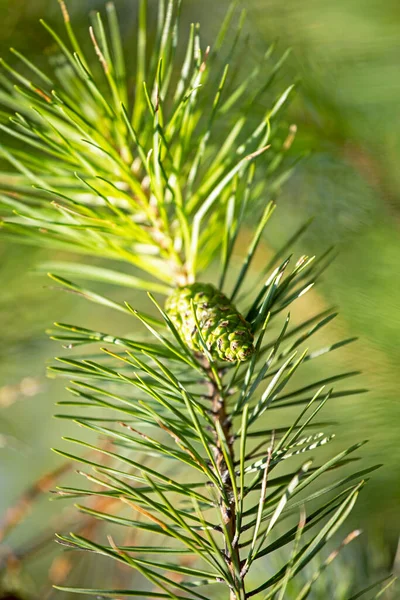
[(224, 456), (139, 175)]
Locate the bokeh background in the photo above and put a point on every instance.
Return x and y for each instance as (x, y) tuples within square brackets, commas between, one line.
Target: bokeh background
[(346, 61)]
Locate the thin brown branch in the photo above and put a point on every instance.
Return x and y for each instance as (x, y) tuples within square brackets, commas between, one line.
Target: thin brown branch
[(226, 503), (17, 513)]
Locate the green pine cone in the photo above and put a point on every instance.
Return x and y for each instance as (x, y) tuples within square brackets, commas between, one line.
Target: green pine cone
[(225, 332)]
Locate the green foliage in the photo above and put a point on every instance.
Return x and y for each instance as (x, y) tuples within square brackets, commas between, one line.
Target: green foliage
[(132, 173)]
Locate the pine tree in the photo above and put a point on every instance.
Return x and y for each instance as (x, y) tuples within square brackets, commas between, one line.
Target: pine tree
[(127, 166)]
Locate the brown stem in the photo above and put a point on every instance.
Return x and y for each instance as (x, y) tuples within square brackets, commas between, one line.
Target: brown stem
[(227, 503)]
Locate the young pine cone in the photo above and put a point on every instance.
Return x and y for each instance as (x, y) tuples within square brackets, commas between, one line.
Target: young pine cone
[(225, 332)]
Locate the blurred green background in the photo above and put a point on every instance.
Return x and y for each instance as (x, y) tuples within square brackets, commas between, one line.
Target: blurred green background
[(346, 60)]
